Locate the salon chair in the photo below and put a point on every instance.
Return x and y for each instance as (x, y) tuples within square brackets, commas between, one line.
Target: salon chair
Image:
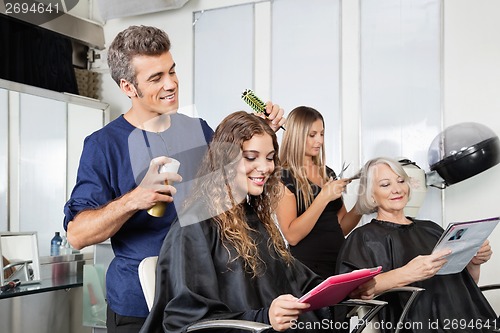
[(147, 278), (360, 312), (490, 288)]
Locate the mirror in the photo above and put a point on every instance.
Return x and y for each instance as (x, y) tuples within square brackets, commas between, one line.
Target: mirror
[(20, 260)]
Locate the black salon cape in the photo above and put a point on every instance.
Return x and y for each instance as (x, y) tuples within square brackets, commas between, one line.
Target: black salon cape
[(320, 248), (454, 301), (195, 280)]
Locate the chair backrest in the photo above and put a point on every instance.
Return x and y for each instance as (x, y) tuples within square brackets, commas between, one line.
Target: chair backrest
[(147, 277)]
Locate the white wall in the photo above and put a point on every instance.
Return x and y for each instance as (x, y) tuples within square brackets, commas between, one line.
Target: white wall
[(471, 66), (471, 93)]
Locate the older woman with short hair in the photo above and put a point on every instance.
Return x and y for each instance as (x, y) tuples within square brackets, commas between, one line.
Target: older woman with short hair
[(403, 247)]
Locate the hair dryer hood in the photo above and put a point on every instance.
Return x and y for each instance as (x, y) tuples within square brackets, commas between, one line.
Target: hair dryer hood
[(462, 151)]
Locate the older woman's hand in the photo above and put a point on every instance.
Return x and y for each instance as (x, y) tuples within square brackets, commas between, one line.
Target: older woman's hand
[(425, 267), (483, 254)]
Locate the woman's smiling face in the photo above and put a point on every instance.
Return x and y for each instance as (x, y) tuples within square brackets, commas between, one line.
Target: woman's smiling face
[(390, 191), (255, 166)]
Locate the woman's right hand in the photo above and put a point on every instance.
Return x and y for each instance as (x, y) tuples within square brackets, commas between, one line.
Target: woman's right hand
[(333, 189), (426, 266), (284, 311)]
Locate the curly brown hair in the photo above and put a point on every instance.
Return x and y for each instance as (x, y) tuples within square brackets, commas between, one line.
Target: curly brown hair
[(215, 193)]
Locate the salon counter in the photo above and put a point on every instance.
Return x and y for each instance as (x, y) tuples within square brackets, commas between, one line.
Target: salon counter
[(45, 285), (52, 305)]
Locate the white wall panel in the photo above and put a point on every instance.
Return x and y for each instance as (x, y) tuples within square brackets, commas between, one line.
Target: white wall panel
[(401, 83), (472, 85), (223, 60), (306, 63), (42, 167)]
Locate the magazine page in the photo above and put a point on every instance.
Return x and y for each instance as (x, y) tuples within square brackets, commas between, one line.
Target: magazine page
[(464, 240)]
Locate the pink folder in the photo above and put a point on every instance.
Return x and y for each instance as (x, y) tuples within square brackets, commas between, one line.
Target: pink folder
[(337, 287)]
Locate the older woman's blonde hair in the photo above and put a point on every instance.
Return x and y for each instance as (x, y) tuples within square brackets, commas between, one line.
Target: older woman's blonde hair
[(366, 204)]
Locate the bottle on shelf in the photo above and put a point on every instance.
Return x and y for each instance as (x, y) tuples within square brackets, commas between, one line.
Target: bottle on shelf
[(55, 244), (65, 247)]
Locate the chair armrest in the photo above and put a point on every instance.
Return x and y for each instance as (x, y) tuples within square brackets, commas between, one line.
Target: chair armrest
[(414, 293), (18, 269), (373, 306), (246, 325), (489, 287), (411, 289), (17, 263), (256, 327), (359, 307)]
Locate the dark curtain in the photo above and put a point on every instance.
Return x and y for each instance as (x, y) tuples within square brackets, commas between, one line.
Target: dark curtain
[(35, 56)]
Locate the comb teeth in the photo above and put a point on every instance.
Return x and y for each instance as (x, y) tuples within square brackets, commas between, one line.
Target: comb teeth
[(253, 101)]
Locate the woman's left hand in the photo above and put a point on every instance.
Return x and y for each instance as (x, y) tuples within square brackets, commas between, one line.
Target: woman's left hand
[(483, 254), (284, 311)]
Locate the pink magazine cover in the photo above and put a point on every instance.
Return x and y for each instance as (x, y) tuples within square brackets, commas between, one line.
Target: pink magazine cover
[(337, 287)]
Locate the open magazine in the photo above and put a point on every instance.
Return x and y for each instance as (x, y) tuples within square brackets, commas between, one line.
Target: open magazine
[(464, 240), (337, 287)]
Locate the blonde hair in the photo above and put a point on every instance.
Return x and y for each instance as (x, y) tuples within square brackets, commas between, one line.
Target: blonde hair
[(365, 204), (293, 151), (215, 191)]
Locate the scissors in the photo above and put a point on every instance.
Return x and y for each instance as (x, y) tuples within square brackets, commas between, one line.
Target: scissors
[(344, 168)]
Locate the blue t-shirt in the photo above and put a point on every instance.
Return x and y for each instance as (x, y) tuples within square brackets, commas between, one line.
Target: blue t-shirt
[(113, 162)]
